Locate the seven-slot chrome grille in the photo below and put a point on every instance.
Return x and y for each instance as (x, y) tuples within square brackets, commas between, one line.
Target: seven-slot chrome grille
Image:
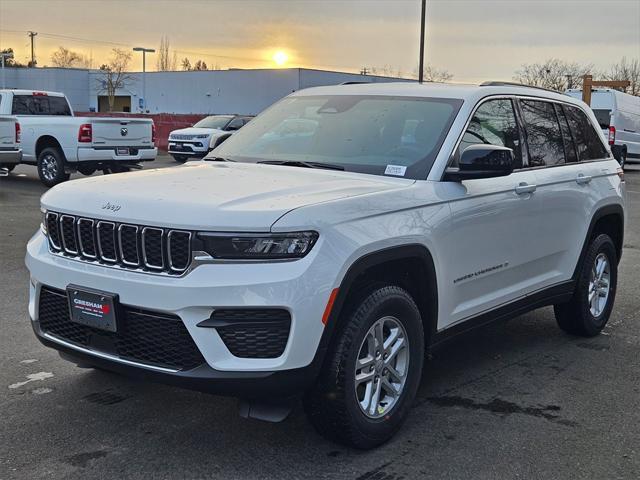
[(135, 247)]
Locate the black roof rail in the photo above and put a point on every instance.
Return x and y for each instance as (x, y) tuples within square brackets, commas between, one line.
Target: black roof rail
[(515, 84), (353, 82)]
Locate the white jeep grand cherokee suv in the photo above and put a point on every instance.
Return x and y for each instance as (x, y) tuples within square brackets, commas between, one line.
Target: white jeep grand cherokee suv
[(328, 260)]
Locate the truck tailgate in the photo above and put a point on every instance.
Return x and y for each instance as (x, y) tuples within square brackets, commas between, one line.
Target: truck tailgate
[(125, 132)]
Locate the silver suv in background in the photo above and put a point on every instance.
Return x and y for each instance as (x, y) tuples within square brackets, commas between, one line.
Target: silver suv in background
[(205, 135)]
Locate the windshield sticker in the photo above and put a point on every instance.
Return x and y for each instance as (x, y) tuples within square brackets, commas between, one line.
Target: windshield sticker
[(397, 170)]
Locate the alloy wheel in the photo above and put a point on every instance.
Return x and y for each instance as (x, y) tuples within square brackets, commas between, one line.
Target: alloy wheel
[(382, 367), (599, 285)]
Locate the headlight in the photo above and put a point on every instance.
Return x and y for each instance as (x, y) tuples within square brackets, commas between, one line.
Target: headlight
[(257, 246), (201, 136), (43, 222)]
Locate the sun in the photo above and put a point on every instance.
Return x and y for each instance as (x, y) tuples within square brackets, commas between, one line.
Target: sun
[(280, 57)]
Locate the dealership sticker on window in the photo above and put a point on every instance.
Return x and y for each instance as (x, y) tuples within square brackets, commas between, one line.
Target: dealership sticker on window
[(397, 170)]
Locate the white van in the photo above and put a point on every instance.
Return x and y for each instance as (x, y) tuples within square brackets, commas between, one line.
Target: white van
[(618, 114)]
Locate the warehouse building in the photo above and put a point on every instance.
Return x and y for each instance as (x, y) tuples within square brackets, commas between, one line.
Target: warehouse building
[(239, 91)]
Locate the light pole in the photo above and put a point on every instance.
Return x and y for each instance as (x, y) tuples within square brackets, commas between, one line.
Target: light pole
[(144, 68), (421, 62), (4, 55)]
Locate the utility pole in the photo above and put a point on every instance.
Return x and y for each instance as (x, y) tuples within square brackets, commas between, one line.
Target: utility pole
[(33, 57), (422, 25), (144, 69)]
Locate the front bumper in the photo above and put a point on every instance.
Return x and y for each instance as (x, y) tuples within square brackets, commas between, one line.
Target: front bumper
[(142, 154), (249, 385), (191, 149), (192, 298)]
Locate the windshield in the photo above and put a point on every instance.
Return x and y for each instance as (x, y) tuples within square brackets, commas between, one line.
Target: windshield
[(216, 121), (380, 135)]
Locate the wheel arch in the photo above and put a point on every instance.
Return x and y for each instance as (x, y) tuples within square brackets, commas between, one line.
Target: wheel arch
[(48, 141), (608, 219), (408, 266)]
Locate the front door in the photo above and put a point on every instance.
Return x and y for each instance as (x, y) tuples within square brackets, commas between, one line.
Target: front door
[(491, 255)]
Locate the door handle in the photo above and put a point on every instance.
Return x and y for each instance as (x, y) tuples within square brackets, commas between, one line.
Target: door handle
[(524, 187), (583, 179)]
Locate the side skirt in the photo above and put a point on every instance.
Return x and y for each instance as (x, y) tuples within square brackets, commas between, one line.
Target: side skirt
[(549, 296)]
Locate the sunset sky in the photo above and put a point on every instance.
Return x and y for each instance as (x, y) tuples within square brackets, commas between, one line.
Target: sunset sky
[(475, 40)]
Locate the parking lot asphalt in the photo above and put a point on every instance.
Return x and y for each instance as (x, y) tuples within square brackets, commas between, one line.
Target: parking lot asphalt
[(518, 399)]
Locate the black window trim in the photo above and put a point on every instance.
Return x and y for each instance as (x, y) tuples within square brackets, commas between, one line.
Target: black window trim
[(515, 98)]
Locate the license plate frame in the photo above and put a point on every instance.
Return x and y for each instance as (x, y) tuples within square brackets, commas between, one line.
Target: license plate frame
[(93, 308), (123, 151)]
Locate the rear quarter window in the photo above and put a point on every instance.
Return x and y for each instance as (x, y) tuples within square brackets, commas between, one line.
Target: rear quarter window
[(587, 141)]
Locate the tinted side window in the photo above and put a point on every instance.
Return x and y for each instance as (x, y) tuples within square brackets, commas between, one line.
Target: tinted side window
[(494, 122), (543, 133), (59, 106), (569, 145), (235, 124), (587, 140), (28, 105)]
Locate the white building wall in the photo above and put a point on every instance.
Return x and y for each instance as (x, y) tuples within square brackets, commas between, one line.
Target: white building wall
[(73, 82), (217, 91), (316, 78), (245, 92)]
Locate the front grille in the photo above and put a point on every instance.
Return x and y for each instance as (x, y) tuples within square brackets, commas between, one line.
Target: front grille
[(111, 243), (143, 336), (253, 333), (177, 136)]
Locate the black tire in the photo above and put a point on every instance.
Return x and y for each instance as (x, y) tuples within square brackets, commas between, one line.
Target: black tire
[(576, 317), (623, 158), (180, 158), (51, 167), (332, 406), (87, 169)]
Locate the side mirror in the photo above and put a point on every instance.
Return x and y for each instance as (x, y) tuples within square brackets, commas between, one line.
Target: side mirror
[(481, 161)]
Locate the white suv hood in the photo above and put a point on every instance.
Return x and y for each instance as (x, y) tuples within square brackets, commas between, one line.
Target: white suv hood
[(210, 195)]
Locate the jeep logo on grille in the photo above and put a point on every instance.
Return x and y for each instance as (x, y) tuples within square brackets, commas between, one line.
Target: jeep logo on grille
[(111, 206), (124, 131)]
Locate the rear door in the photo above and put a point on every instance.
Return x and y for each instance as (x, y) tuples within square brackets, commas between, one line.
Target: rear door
[(564, 184), (116, 132)]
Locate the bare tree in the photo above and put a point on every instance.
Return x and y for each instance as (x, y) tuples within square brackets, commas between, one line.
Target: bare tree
[(165, 61), (11, 62), (65, 58), (434, 74), (186, 64), (626, 70), (554, 74), (114, 75)]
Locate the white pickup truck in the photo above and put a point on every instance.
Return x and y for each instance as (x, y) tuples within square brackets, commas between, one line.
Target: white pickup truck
[(10, 152), (59, 143)]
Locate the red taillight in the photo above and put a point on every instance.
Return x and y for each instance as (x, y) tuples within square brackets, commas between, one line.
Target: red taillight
[(18, 136), (612, 135), (153, 133), (85, 133)]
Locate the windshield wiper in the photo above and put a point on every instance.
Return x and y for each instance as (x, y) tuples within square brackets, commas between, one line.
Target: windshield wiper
[(218, 159), (300, 163)]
